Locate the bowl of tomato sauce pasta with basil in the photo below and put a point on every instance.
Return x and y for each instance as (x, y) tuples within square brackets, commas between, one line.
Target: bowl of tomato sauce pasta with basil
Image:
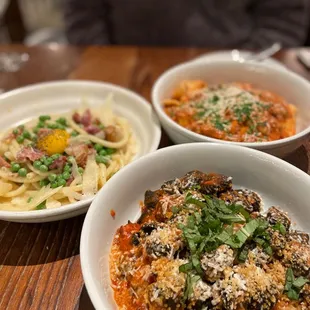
[(235, 112), (247, 104), (201, 243), (55, 160)]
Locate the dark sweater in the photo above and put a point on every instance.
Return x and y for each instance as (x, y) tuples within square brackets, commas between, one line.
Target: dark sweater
[(205, 23)]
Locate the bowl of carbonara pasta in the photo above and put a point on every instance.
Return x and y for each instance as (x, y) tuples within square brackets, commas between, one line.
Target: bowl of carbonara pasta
[(61, 142)]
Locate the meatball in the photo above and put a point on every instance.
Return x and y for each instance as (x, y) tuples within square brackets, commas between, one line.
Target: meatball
[(169, 285), (211, 183), (277, 241), (297, 256), (299, 236), (275, 215), (164, 241), (216, 262), (244, 197), (151, 198)]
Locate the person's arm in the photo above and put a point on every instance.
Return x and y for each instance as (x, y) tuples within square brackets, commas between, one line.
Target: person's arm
[(284, 21), (86, 22)]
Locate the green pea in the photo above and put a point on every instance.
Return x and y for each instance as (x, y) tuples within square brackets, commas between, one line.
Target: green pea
[(35, 130), (52, 126), (26, 134), (55, 156), (61, 182), (81, 170), (48, 161), (110, 151), (101, 126), (22, 172), (40, 125), (34, 137), (74, 134), (43, 182), (43, 159), (52, 177), (43, 168), (20, 139), (54, 184), (62, 127), (37, 164), (41, 206), (98, 147), (103, 152), (70, 159), (101, 159), (67, 167), (44, 118), (15, 167), (21, 127), (66, 175), (16, 131), (62, 121)]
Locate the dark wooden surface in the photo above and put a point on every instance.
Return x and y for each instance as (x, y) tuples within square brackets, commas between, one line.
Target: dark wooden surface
[(39, 263)]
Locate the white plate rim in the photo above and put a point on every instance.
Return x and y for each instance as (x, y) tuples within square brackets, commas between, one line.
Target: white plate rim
[(39, 215)]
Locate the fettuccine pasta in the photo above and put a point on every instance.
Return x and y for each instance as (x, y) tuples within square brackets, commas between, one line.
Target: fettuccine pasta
[(54, 160)]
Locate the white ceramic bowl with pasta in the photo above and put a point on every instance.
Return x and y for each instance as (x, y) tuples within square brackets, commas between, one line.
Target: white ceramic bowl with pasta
[(28, 192), (292, 87), (277, 182)]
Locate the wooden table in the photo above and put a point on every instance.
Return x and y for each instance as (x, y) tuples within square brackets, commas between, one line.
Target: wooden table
[(39, 263)]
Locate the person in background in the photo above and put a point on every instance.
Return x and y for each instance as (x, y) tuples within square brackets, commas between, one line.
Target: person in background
[(202, 23)]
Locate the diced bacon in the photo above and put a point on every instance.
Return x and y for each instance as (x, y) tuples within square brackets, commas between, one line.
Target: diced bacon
[(58, 163), (86, 118), (28, 153), (4, 163), (92, 129), (43, 132), (70, 180), (80, 152), (76, 117)]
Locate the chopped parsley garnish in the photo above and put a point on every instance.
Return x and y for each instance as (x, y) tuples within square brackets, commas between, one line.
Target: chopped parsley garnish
[(293, 286), (243, 111)]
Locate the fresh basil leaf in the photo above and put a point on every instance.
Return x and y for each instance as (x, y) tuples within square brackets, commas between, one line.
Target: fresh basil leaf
[(186, 267), (300, 282), (280, 227)]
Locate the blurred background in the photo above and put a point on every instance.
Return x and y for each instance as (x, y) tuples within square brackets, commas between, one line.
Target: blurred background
[(34, 22)]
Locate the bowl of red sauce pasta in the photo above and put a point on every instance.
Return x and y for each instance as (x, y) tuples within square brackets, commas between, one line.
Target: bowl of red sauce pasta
[(200, 226), (247, 104)]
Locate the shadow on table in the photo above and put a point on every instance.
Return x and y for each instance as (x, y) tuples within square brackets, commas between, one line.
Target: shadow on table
[(85, 302), (299, 159), (35, 244)]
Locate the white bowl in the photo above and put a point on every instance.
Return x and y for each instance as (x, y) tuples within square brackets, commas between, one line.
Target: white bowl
[(278, 183), (57, 97), (230, 56), (292, 87)]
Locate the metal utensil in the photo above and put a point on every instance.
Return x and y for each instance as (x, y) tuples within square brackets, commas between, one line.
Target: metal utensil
[(259, 56)]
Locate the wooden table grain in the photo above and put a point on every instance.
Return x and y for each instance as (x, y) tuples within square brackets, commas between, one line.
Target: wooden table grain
[(39, 263)]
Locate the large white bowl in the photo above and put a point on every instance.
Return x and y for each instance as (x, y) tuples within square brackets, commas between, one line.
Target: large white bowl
[(57, 97), (291, 86), (278, 183)]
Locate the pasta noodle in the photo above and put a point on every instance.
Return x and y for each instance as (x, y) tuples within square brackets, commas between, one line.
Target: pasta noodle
[(54, 160)]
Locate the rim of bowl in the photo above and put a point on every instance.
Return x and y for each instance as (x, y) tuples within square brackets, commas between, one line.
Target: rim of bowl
[(90, 283), (197, 137), (39, 214)]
